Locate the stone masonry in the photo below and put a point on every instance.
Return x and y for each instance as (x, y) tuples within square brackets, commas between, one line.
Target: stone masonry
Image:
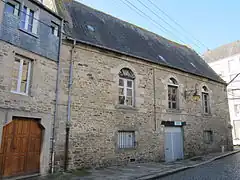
[(96, 116), (39, 104)]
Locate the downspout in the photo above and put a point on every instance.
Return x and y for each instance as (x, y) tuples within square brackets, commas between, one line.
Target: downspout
[(57, 100), (69, 106), (154, 100)]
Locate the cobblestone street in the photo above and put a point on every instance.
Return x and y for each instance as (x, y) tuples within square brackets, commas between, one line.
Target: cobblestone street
[(227, 168)]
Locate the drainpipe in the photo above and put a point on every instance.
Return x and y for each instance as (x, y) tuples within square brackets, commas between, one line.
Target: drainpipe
[(154, 100), (69, 106), (57, 100)]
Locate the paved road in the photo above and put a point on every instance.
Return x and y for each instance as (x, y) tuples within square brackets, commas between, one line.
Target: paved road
[(227, 168)]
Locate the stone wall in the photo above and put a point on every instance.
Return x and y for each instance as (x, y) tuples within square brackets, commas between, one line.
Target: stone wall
[(39, 103), (96, 116)]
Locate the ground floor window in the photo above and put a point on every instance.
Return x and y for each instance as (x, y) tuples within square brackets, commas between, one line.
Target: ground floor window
[(208, 136), (126, 139)]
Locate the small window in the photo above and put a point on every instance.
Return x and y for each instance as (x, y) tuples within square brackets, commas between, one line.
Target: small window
[(126, 139), (55, 29), (205, 100), (126, 87), (21, 75), (12, 7), (208, 136), (237, 110), (172, 94), (28, 20)]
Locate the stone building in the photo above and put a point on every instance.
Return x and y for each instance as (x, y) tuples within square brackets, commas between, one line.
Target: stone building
[(134, 95), (115, 94), (29, 52)]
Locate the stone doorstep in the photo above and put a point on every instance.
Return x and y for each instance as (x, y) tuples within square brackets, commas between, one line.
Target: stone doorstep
[(166, 173), (22, 177)]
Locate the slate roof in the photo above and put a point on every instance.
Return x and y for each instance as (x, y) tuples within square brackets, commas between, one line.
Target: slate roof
[(222, 52), (97, 28)]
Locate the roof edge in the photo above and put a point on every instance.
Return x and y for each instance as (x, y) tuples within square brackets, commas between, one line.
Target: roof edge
[(47, 9), (138, 57)]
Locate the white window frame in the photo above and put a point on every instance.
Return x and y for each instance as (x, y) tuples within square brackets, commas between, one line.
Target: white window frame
[(17, 6), (56, 29), (125, 88), (19, 79), (36, 11)]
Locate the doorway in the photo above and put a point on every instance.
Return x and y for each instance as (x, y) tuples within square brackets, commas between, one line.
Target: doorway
[(20, 148), (173, 144)]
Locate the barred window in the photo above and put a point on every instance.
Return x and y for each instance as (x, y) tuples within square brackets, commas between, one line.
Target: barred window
[(126, 139), (126, 87), (172, 94), (208, 136)]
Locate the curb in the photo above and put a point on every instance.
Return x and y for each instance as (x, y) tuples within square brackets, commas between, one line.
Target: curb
[(166, 173)]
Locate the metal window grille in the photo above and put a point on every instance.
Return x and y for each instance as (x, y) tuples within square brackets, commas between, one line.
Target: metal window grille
[(208, 136), (126, 139)]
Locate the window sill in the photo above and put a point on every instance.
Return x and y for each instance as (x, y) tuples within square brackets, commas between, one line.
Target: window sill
[(126, 149), (19, 93), (125, 107), (173, 110), (207, 114), (29, 33)]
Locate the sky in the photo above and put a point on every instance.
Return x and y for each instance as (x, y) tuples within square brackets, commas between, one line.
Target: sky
[(205, 24)]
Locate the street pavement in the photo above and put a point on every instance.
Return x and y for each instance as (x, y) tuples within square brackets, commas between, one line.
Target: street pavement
[(227, 168)]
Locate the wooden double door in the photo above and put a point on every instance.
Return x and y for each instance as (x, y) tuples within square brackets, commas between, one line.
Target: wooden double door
[(20, 148)]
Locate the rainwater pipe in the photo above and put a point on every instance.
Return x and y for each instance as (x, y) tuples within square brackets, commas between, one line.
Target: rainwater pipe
[(69, 105), (154, 100), (57, 99)]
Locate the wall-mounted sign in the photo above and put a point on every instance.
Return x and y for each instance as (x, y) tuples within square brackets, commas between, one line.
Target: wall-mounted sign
[(177, 123)]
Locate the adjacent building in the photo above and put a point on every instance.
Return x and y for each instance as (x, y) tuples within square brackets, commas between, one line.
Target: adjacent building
[(29, 53), (100, 92), (225, 60)]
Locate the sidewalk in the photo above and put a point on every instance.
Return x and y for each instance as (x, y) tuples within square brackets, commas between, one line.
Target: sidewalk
[(137, 171)]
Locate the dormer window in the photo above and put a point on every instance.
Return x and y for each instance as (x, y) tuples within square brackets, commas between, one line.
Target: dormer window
[(55, 29), (29, 18), (12, 7)]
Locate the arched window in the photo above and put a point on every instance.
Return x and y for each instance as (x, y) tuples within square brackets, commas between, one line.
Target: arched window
[(172, 94), (205, 100), (126, 87)]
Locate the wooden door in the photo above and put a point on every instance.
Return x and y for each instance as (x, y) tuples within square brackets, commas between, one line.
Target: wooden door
[(20, 148)]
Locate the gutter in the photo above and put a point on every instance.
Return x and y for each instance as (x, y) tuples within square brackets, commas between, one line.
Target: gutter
[(69, 106), (56, 102)]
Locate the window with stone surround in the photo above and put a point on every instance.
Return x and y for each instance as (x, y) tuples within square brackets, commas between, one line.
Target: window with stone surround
[(205, 100), (172, 94), (126, 87), (21, 75), (208, 136), (126, 139)]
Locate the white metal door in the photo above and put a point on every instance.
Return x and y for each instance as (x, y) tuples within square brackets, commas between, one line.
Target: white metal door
[(173, 143)]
